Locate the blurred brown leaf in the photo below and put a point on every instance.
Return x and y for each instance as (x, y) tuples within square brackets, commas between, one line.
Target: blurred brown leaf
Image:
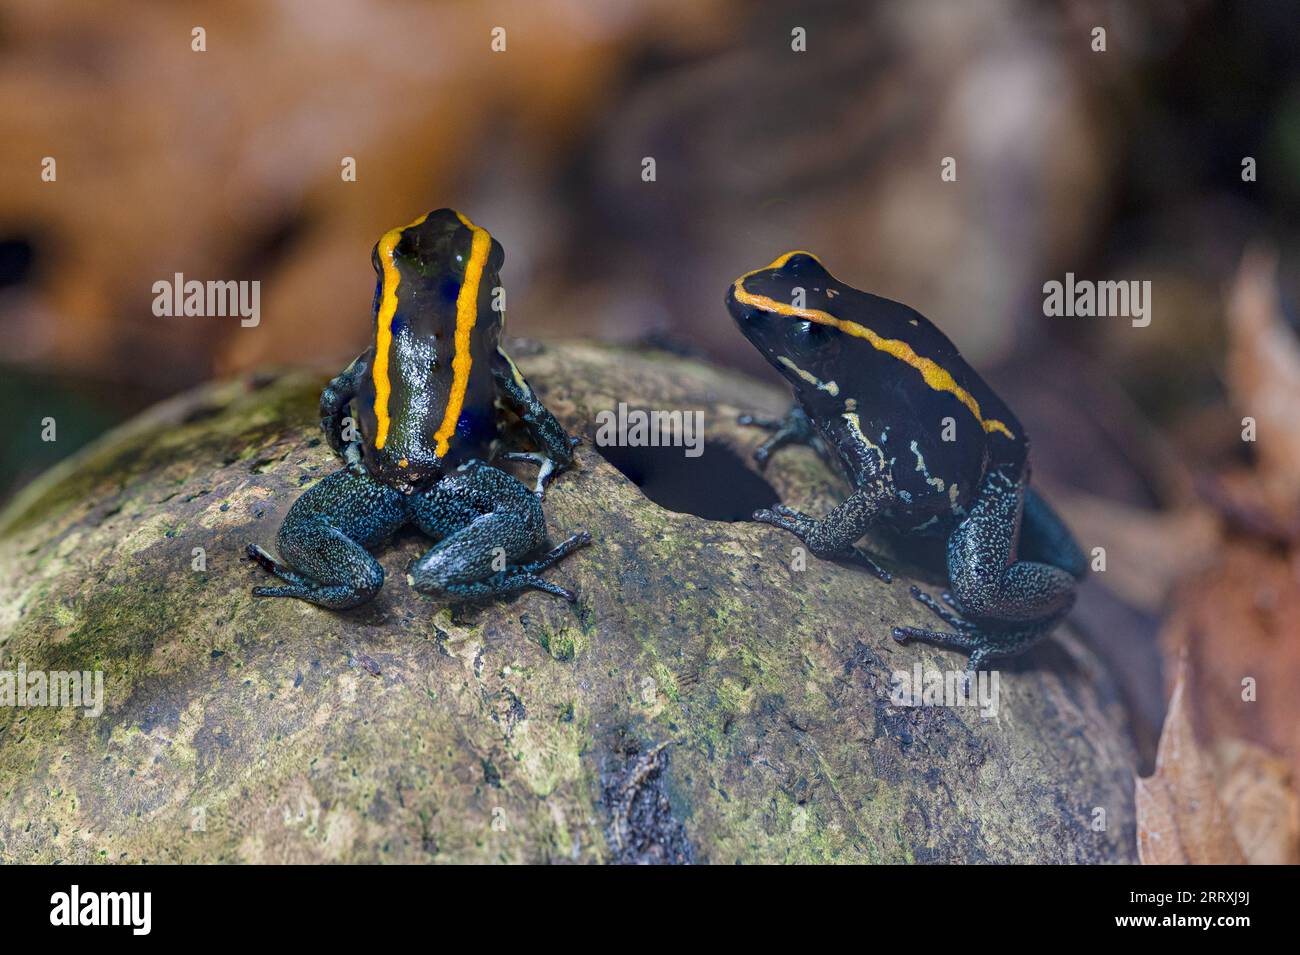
[(1259, 791), (1180, 817), (1238, 622), (1264, 376), (1147, 552)]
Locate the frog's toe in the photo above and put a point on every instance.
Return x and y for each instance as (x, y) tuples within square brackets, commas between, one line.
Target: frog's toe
[(951, 619), (758, 421), (290, 591), (770, 516), (268, 563), (864, 559), (561, 550), (540, 583)]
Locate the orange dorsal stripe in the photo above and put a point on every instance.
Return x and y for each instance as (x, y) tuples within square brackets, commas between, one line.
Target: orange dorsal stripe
[(934, 374), (384, 327), (466, 317)]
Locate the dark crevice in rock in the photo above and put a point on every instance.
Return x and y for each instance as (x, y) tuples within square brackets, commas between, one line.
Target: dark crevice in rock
[(716, 485), (642, 829)]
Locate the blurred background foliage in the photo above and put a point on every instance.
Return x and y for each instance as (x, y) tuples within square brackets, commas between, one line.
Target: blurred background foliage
[(1123, 164)]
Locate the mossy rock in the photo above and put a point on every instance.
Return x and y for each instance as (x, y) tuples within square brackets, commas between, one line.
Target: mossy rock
[(703, 701)]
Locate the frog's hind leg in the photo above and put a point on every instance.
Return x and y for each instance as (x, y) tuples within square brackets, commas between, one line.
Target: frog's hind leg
[(488, 521), (990, 580), (1044, 537), (323, 540), (1004, 605), (982, 645), (463, 564), (348, 575)]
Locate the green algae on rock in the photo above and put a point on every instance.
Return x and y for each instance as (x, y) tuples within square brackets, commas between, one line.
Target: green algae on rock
[(703, 701)]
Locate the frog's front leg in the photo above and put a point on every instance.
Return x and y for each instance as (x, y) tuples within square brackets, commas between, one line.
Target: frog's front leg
[(334, 403), (487, 523), (1007, 604), (833, 536), (555, 446), (324, 539), (795, 428)]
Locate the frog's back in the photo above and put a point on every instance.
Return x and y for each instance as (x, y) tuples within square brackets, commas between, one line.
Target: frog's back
[(913, 362)]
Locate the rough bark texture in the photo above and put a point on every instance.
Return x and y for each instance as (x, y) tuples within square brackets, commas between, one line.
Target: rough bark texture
[(702, 702)]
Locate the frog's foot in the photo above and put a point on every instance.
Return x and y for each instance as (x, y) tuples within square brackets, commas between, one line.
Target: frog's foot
[(947, 616), (525, 575), (794, 428), (352, 455), (546, 467), (983, 643), (812, 531), (334, 596), (788, 519), (267, 562), (862, 557), (459, 565), (968, 641), (556, 553)]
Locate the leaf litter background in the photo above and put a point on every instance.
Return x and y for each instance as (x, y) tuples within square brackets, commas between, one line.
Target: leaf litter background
[(1122, 165)]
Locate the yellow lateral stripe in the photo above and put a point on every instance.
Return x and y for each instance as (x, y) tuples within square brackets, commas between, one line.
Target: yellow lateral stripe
[(466, 316), (514, 369), (935, 375), (384, 327)]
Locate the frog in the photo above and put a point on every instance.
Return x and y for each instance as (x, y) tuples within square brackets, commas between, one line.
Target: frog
[(429, 394), (930, 451)]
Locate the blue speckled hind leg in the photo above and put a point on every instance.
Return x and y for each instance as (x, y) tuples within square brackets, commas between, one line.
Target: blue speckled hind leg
[(1003, 605), (487, 522), (990, 580), (1044, 537), (982, 644), (324, 537)]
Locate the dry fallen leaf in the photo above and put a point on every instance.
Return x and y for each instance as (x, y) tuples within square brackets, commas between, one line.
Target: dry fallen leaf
[(1180, 817), (1259, 792), (1264, 375), (1237, 623)]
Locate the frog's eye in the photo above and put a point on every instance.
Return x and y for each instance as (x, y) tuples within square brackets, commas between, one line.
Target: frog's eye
[(810, 334), (800, 262)]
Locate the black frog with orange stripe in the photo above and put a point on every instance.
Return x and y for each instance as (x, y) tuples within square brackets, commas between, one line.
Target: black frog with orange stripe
[(426, 396), (927, 446)]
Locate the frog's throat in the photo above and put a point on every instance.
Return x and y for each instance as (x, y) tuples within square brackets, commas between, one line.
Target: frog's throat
[(466, 318), (934, 374)]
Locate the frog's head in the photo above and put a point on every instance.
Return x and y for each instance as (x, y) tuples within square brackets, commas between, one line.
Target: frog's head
[(787, 311), (437, 321)]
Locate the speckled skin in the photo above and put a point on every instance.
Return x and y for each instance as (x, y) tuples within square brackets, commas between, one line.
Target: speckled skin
[(401, 467), (480, 514), (1012, 563)]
